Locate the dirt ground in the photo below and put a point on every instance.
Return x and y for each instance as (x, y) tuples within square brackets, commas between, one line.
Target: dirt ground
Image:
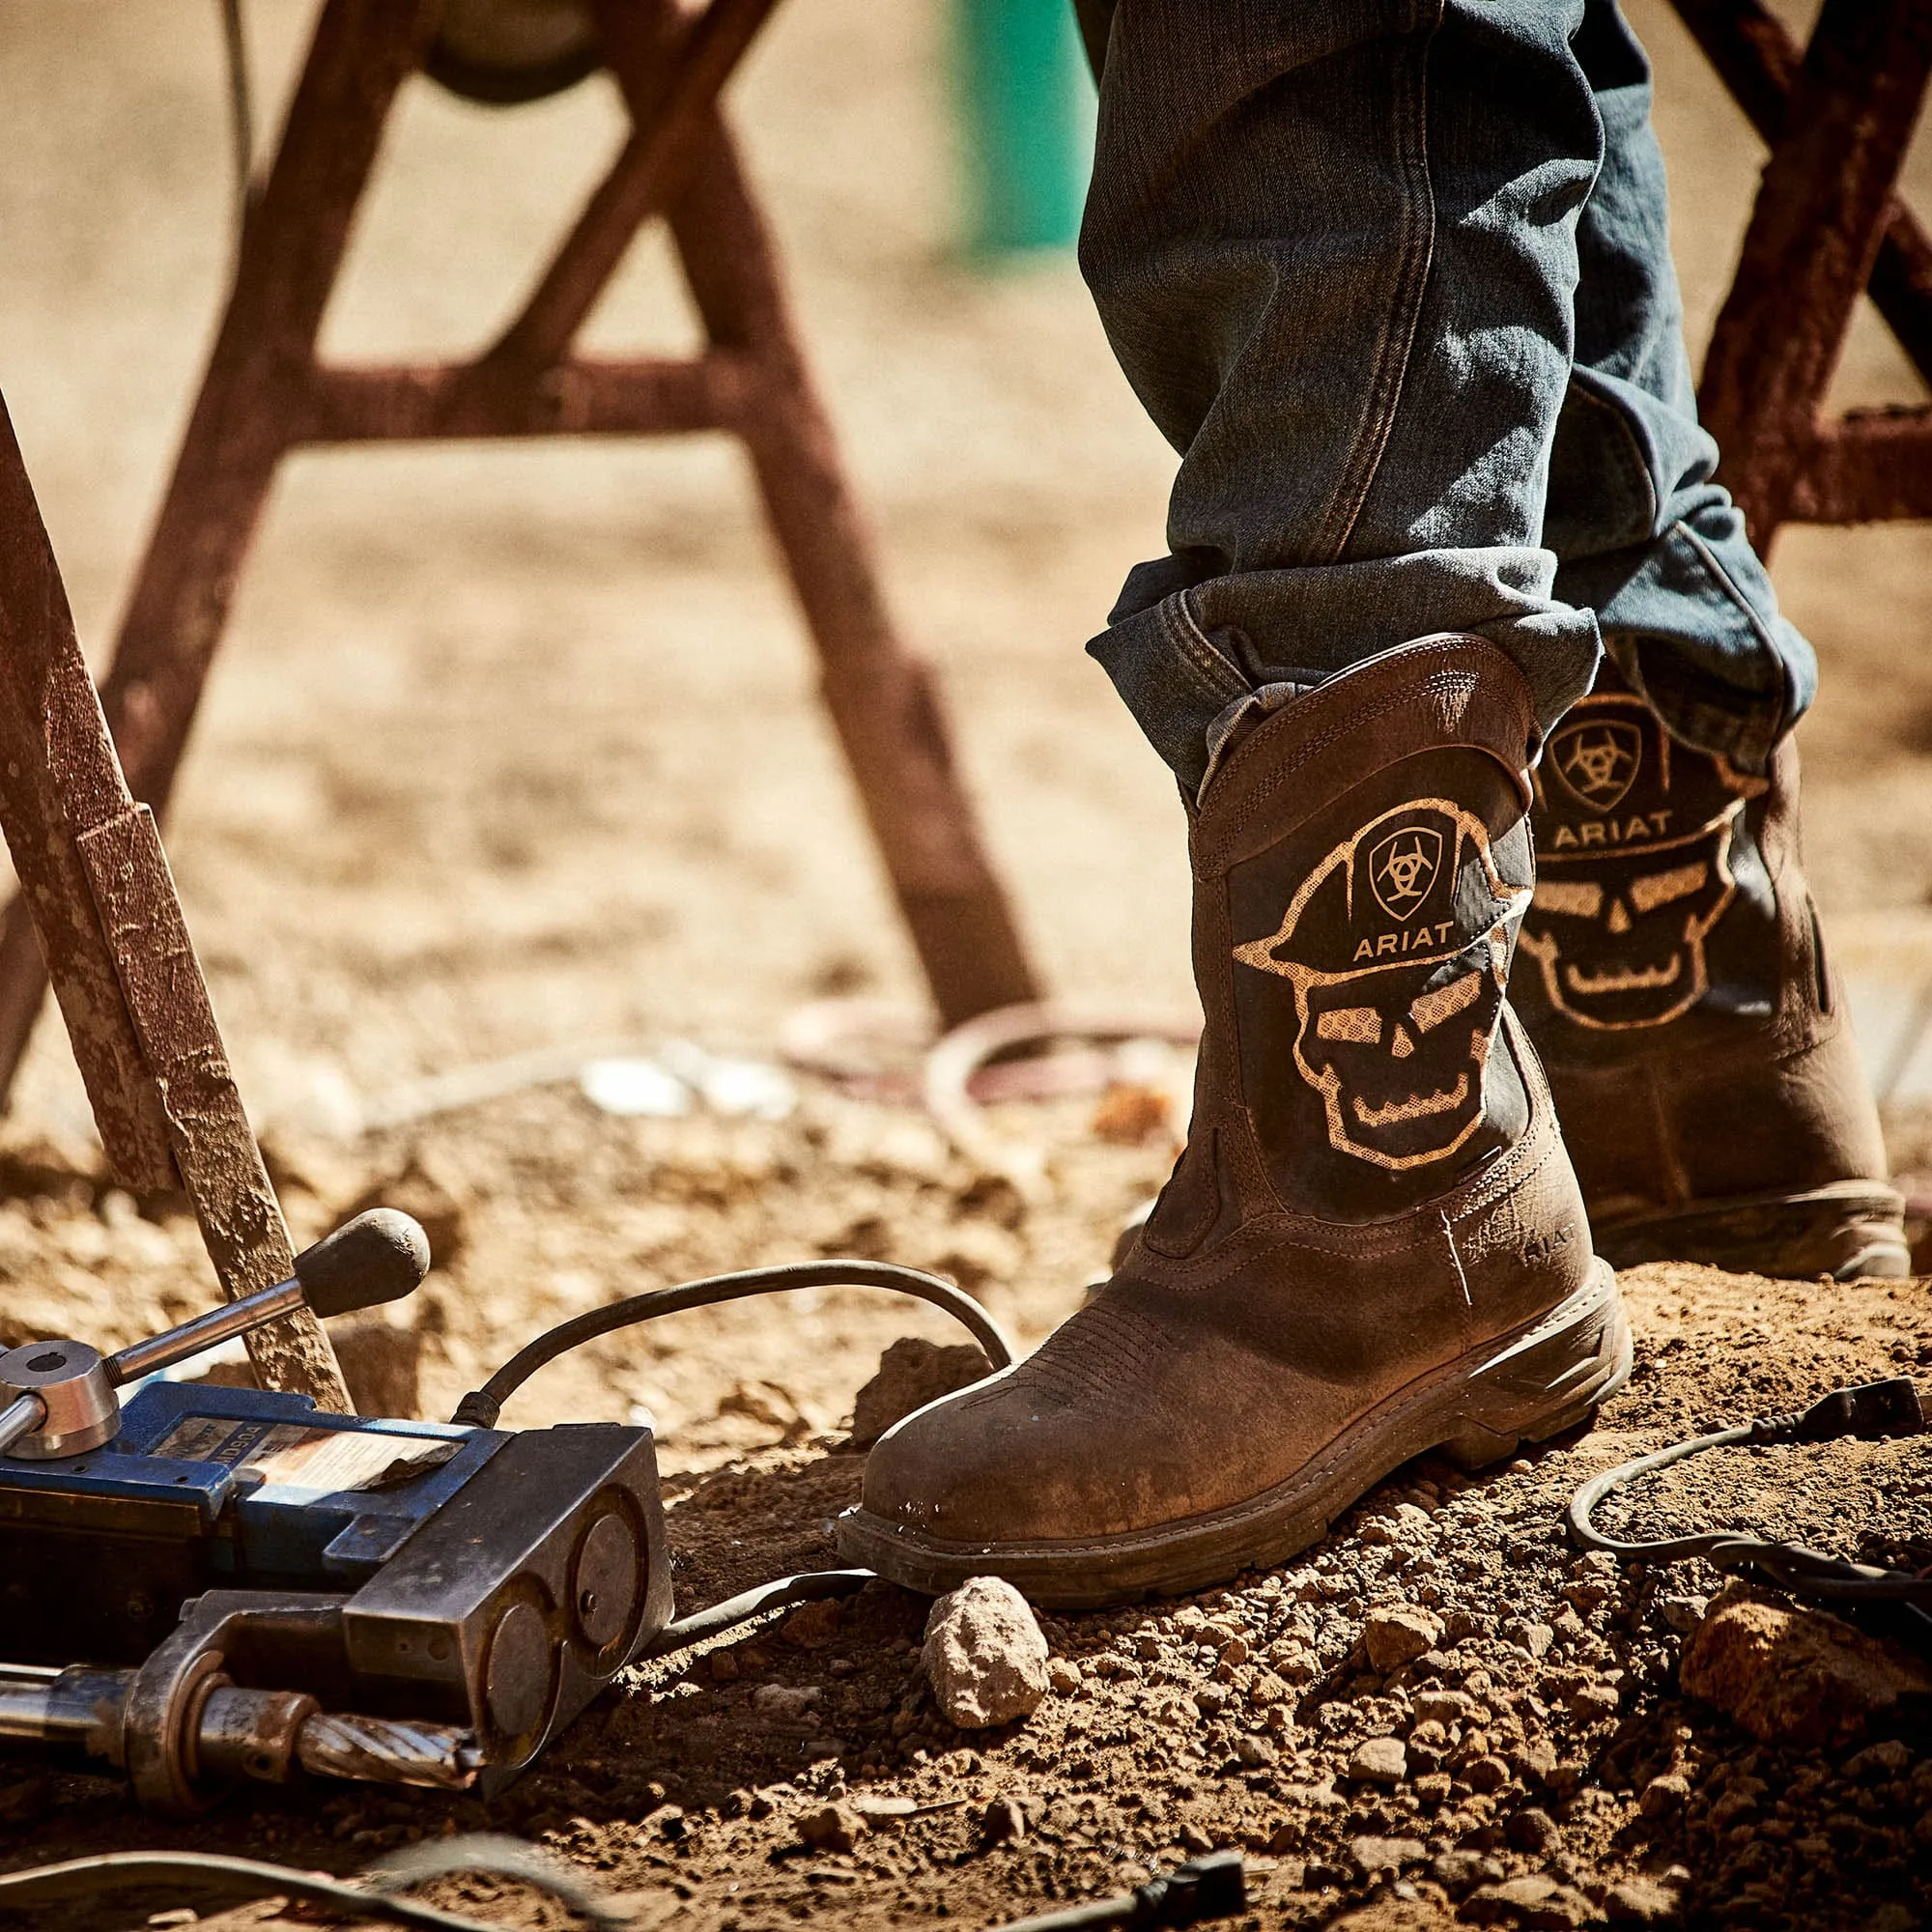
[(513, 750)]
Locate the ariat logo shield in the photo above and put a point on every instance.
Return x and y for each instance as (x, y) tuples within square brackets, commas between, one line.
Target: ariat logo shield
[(1598, 760), (1403, 867)]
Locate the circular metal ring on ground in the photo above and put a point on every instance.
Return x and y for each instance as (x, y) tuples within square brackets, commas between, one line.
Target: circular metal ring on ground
[(505, 52)]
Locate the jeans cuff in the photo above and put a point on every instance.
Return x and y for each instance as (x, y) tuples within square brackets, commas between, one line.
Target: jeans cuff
[(1176, 679)]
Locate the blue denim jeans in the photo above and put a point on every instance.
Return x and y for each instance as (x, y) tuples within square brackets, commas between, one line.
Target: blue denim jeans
[(1393, 276)]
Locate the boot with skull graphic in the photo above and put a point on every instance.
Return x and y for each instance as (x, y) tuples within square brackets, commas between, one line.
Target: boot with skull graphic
[(1372, 1246), (1676, 986)]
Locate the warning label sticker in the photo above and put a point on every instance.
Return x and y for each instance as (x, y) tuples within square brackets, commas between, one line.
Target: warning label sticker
[(324, 1460)]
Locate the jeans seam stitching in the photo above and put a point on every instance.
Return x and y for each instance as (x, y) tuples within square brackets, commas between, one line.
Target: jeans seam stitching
[(1634, 447), (1745, 733), (1397, 337), (1216, 676)]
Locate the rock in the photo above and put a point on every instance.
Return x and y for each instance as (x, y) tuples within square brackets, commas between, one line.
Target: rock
[(1267, 1689), (913, 1373), (1665, 1796), (1641, 1901), (1063, 1676), (1532, 1638), (831, 1828), (1536, 1903), (1792, 1676), (1443, 1707), (1003, 1819), (1385, 1858), (1533, 1830), (1681, 1614), (1885, 1759), (786, 1703), (1379, 1761), (1487, 1774), (813, 1626), (1460, 1872), (1593, 1703), (1393, 1638), (984, 1655), (880, 1812), (1255, 1752), (1433, 1787)]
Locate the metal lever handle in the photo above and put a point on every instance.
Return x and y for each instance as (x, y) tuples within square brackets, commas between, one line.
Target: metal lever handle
[(61, 1399), (22, 1416), (378, 1257)]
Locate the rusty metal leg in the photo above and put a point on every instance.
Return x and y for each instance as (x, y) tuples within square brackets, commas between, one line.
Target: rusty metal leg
[(881, 696), (250, 403), (97, 883), (1758, 62), (1809, 250)]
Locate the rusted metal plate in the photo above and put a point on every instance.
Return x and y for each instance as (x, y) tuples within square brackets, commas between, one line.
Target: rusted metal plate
[(36, 648), (130, 989), (214, 1147)]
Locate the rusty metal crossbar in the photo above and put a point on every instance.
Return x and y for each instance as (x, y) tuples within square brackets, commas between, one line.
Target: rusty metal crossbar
[(266, 393), (1827, 227)]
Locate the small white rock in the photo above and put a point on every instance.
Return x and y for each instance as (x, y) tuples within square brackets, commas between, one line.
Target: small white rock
[(984, 1655), (786, 1702)]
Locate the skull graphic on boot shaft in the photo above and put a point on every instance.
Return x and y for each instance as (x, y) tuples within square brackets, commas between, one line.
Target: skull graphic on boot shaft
[(1637, 839), (1679, 1000), (1396, 948)]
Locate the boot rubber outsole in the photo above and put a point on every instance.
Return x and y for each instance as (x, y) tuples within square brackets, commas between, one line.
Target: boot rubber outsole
[(1546, 1378), (1848, 1230)]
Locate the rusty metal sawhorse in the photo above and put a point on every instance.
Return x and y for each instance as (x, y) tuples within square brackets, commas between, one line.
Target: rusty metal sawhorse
[(1827, 227), (266, 394)]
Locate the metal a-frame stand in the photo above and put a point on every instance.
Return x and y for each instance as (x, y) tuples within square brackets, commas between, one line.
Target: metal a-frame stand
[(266, 393)]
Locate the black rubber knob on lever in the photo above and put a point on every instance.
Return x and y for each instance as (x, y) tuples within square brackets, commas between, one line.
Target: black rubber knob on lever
[(378, 1257)]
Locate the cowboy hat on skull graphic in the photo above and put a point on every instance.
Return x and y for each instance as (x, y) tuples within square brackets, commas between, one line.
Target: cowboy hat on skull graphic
[(1397, 946), (1634, 865)]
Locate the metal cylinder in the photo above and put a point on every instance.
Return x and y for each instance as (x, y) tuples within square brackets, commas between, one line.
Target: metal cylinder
[(22, 1416), (79, 1706), (390, 1750), (203, 1332), (248, 1733), (71, 1379)]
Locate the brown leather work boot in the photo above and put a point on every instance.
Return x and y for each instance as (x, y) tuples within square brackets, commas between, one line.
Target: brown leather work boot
[(1372, 1244), (1675, 984)]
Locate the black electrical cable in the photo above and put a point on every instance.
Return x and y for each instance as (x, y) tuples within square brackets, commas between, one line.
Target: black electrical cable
[(810, 1587), (482, 1406), (500, 1857), (240, 1878), (1871, 1411)]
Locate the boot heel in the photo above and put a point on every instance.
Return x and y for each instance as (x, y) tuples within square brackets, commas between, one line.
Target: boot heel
[(1547, 1381)]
